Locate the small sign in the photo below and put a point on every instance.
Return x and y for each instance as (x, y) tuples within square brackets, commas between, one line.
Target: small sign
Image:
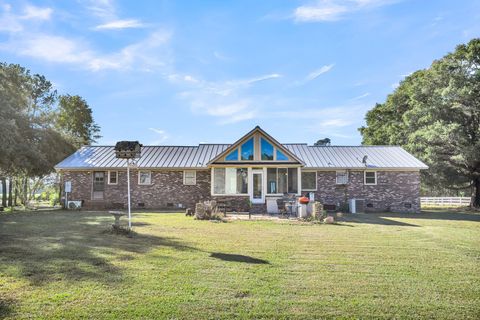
[(68, 186)]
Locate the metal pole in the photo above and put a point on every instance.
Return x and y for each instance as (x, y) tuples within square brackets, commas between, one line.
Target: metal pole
[(128, 187)]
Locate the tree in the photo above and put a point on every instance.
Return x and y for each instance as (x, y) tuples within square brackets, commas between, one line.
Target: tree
[(435, 114), (75, 120), (323, 142), (36, 131), (4, 191)]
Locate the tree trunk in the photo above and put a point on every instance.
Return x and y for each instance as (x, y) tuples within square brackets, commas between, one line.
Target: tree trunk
[(476, 193), (25, 192), (10, 189), (15, 192), (4, 192)]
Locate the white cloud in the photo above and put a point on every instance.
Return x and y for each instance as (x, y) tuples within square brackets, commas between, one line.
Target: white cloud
[(103, 9), (162, 136), (315, 74), (323, 11), (32, 12), (120, 24), (228, 101), (334, 123), (361, 96), (106, 11), (143, 55), (11, 22), (333, 10)]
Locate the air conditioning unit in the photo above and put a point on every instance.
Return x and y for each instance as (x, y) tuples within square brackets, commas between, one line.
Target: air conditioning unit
[(74, 205), (356, 205)]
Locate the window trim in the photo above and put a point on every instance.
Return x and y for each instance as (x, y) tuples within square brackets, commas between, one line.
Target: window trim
[(261, 140), (365, 178), (282, 152), (144, 184), (299, 184), (108, 177), (316, 180), (336, 177), (212, 183), (194, 178), (238, 155)]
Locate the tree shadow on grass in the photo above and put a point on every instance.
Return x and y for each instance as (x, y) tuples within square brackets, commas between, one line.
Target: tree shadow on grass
[(454, 215), (6, 308), (70, 246), (376, 218), (237, 258)]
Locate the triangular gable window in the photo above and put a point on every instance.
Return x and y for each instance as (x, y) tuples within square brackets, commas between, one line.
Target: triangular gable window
[(266, 149), (232, 156), (247, 150), (281, 156)]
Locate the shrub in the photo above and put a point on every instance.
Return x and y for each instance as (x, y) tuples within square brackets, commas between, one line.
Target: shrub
[(54, 200)]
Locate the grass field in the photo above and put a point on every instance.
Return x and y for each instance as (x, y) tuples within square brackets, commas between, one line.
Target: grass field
[(64, 265)]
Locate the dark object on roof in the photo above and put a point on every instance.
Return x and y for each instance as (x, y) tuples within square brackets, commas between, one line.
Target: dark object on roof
[(128, 149)]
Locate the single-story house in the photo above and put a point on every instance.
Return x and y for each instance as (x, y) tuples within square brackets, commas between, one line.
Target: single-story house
[(250, 173)]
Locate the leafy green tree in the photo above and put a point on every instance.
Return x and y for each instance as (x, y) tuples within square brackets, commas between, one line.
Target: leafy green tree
[(435, 114), (37, 129), (75, 120), (323, 142)]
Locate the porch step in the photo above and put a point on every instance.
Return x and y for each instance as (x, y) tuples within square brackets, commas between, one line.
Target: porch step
[(258, 208)]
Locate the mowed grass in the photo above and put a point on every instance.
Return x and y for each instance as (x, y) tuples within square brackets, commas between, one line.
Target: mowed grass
[(63, 265)]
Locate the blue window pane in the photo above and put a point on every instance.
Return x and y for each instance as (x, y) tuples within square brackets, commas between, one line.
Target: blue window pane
[(266, 149), (247, 150), (281, 156), (233, 156)]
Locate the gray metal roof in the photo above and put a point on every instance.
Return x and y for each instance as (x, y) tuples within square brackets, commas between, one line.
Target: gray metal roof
[(152, 157), (387, 157)]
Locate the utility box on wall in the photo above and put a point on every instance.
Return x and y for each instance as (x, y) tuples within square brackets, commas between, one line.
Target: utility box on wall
[(356, 205)]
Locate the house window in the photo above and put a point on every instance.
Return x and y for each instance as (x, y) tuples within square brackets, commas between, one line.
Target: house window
[(247, 150), (232, 156), (292, 180), (145, 177), (266, 149), (230, 181), (190, 177), (309, 180), (370, 177), (342, 177), (282, 180), (112, 177), (281, 156)]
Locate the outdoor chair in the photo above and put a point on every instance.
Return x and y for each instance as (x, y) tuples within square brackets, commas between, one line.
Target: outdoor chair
[(222, 206), (281, 207)]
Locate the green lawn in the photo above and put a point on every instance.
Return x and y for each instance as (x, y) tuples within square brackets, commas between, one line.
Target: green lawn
[(63, 265)]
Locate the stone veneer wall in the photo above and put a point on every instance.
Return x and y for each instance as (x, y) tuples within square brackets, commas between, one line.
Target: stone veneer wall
[(395, 190)]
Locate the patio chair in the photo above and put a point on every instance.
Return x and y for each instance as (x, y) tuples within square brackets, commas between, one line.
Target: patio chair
[(281, 207), (222, 206)]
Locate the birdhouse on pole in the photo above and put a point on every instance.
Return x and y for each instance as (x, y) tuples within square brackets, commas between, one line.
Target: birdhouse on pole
[(128, 150)]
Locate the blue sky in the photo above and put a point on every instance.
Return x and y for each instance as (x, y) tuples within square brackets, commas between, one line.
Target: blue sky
[(187, 72)]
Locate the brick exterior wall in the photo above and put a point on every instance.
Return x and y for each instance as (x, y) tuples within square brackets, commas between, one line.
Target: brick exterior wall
[(166, 190), (395, 190)]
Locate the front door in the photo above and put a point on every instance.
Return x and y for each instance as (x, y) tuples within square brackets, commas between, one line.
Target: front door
[(98, 185), (257, 195)]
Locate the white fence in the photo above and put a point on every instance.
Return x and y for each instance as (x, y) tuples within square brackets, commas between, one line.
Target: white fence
[(445, 201)]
